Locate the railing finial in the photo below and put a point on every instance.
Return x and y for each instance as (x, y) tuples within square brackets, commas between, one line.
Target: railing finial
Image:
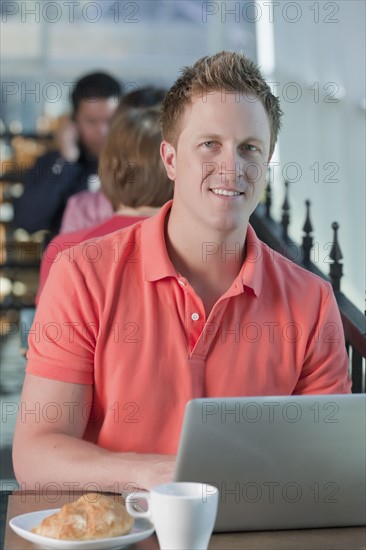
[(307, 240), (268, 193), (336, 268), (285, 213)]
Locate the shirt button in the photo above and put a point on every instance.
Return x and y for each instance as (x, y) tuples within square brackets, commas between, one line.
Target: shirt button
[(182, 283), (195, 316)]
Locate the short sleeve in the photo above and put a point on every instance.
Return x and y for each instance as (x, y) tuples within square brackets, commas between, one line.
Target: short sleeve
[(64, 332), (325, 369)]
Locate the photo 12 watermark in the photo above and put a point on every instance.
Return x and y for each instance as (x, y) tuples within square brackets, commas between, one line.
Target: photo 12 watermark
[(54, 492), (271, 11), (289, 92), (270, 332), (255, 252), (125, 332), (53, 92), (292, 172), (72, 412), (278, 492), (269, 412), (70, 12)]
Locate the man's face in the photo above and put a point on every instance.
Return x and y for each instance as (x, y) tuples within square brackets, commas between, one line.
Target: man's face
[(92, 121), (219, 164)]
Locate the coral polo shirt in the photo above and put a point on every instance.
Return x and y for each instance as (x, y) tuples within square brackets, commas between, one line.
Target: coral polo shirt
[(67, 240), (116, 314)]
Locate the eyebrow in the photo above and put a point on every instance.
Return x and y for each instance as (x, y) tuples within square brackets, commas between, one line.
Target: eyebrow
[(209, 137)]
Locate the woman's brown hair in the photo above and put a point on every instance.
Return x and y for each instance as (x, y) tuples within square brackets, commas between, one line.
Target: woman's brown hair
[(130, 167)]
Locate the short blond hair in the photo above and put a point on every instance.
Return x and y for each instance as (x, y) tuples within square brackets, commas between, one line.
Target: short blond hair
[(224, 71), (130, 167)]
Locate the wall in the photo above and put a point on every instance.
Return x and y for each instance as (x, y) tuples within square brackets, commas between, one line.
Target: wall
[(320, 71)]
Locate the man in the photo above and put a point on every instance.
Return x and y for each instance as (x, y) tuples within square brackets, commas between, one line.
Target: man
[(188, 303), (88, 208), (74, 167)]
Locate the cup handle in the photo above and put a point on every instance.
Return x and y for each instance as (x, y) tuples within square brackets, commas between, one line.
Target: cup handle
[(130, 500)]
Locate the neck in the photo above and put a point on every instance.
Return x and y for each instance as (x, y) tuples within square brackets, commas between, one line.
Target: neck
[(139, 211), (210, 259)]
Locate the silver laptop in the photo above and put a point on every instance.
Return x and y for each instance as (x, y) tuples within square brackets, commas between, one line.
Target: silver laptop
[(279, 462)]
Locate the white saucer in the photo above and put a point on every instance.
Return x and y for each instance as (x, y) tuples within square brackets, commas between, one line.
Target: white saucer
[(23, 524)]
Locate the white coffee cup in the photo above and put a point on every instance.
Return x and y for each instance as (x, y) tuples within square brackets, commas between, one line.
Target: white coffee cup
[(183, 513)]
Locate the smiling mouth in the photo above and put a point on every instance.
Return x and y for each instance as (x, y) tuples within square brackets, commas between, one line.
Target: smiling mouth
[(227, 192)]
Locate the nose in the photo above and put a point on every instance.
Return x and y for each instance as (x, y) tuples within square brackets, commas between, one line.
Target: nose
[(231, 168), (103, 129)]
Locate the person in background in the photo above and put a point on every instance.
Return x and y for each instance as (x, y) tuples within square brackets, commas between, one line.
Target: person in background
[(132, 177), (74, 166), (88, 208)]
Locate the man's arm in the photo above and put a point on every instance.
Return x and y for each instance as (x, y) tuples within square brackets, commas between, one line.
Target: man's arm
[(48, 445)]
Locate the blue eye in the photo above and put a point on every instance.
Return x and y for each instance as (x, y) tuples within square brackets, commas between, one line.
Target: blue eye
[(209, 144)]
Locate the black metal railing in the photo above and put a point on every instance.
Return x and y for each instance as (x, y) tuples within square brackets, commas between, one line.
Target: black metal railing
[(276, 236)]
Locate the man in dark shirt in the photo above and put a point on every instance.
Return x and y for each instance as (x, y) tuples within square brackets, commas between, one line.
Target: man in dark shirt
[(59, 174)]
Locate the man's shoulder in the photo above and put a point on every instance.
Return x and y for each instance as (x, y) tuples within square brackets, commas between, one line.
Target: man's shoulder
[(54, 162), (277, 265), (50, 156), (107, 251)]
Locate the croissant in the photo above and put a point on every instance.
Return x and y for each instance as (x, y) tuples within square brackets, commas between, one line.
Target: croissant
[(92, 516)]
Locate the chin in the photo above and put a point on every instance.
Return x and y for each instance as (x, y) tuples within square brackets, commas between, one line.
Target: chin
[(94, 150), (227, 225), (96, 153)]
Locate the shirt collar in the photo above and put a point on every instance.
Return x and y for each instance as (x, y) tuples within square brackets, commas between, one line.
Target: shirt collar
[(157, 265), (251, 273), (155, 260)]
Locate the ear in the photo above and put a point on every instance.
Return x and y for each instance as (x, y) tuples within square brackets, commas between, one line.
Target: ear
[(169, 157)]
